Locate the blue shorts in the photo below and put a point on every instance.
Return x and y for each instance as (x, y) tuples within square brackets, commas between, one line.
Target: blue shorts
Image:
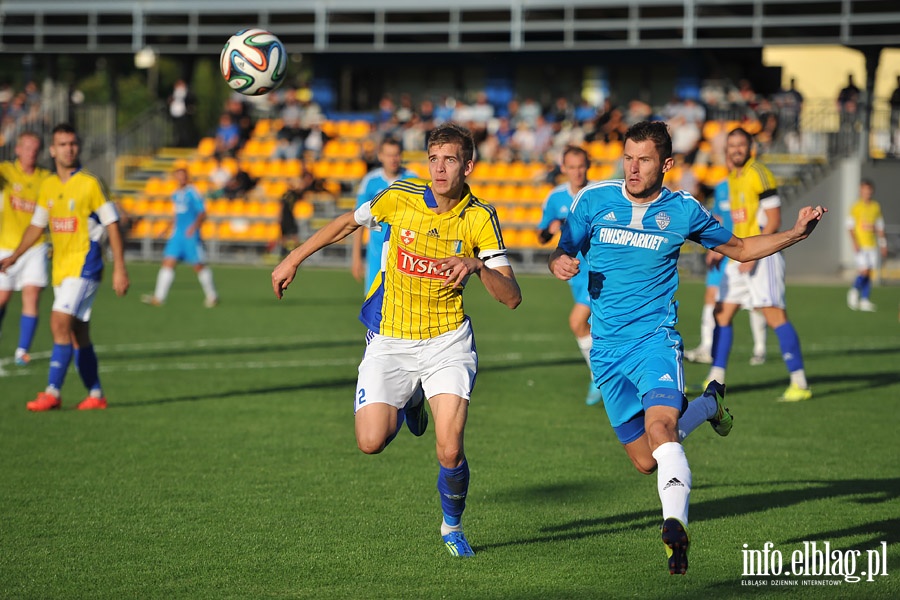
[(579, 287), (189, 250), (638, 375)]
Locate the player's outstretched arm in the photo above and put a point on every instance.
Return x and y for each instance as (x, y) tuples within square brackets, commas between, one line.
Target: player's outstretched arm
[(760, 246), (562, 265), (335, 231), (29, 237)]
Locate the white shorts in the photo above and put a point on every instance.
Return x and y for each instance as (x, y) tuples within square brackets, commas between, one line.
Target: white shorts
[(75, 296), (762, 287), (394, 370), (867, 259), (30, 269)]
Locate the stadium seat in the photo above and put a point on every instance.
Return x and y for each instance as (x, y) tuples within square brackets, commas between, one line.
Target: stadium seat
[(208, 230), (207, 147), (262, 129), (141, 229), (303, 210)]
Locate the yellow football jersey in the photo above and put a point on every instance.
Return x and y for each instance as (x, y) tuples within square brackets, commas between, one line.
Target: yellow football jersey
[(75, 229), (408, 299), (20, 194), (866, 219), (754, 184)]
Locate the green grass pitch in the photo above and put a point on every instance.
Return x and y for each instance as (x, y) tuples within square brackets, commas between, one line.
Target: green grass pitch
[(226, 466)]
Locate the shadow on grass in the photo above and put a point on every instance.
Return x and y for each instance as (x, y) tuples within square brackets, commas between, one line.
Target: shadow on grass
[(255, 349), (861, 491), (256, 391), (843, 383)]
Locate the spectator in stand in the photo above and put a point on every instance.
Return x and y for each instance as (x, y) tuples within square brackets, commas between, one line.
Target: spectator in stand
[(386, 109), (529, 111), (405, 111), (561, 111), (315, 139), (637, 111), (218, 177), (848, 102), (788, 106), (290, 139), (443, 111), (523, 142), (895, 119), (181, 110), (228, 136), (239, 184), (584, 112), (481, 112), (291, 110), (543, 138)]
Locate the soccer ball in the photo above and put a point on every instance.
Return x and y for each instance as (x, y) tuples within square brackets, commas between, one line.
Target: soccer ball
[(253, 62)]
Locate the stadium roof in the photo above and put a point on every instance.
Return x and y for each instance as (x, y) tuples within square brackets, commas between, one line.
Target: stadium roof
[(201, 26)]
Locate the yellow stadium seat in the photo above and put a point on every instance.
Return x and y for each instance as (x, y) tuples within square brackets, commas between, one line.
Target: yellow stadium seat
[(614, 151), (511, 238), (208, 230), (273, 232), (262, 128), (141, 229), (711, 129), (206, 147), (160, 228), (303, 210), (270, 209), (356, 169), (153, 186), (329, 128)]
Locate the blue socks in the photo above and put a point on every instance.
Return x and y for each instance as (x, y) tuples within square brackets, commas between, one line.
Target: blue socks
[(453, 485), (27, 327), (790, 347), (723, 338), (86, 363), (59, 364)]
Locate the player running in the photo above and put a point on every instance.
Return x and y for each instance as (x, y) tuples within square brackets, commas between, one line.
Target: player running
[(420, 343), (631, 232)]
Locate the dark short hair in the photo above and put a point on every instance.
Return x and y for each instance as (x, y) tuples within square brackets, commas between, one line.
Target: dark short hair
[(64, 128), (867, 182), (570, 149), (743, 132), (390, 141), (451, 133), (655, 131)]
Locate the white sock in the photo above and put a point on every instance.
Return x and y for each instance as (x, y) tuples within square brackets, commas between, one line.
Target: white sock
[(206, 282), (699, 410), (758, 328), (798, 378), (717, 374), (584, 344), (446, 529), (673, 481), (707, 325), (163, 283)]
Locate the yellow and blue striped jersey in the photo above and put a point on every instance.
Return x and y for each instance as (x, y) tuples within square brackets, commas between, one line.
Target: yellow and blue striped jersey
[(20, 194), (408, 299), (75, 224), (751, 192), (865, 220)]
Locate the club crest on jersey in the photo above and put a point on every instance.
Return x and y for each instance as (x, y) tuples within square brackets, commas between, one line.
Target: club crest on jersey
[(663, 220), (407, 236), (71, 204)]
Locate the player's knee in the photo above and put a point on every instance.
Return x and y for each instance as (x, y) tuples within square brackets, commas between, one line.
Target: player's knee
[(661, 431), (370, 444), (644, 465), (450, 456)]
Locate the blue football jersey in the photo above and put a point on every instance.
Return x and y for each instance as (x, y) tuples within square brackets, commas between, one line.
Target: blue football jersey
[(632, 252), (371, 185), (188, 206), (721, 207)]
